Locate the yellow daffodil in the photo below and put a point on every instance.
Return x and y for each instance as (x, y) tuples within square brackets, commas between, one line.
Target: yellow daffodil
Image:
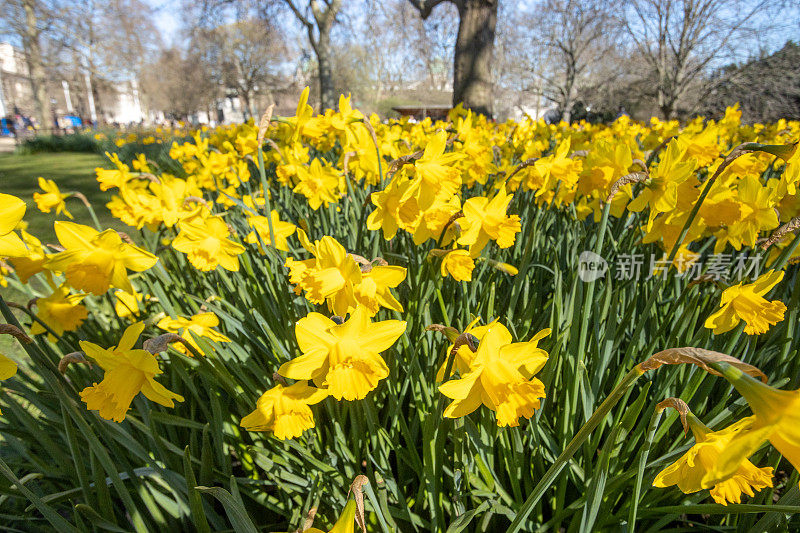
[(205, 243), (331, 275), (346, 522), (284, 410), (343, 358), (689, 472), (118, 177), (746, 302), (94, 261), (487, 220), (396, 207), (319, 183), (661, 192), (126, 304), (458, 264), (260, 224), (128, 371), (200, 324), (52, 198), (500, 376), (374, 290), (435, 171), (8, 369), (12, 209), (32, 263), (777, 419), (61, 311)]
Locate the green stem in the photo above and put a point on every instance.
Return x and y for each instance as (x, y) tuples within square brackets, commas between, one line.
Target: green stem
[(562, 460), (267, 206), (637, 489)]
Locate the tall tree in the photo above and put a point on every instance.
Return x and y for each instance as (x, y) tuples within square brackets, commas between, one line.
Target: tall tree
[(474, 50), (244, 55), (33, 51), (28, 20), (681, 39), (318, 17), (577, 35), (179, 83)]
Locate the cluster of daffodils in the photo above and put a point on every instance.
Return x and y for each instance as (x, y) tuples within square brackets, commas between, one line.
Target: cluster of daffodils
[(451, 188)]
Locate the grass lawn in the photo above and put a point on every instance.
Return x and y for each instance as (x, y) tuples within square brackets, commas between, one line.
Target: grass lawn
[(72, 172)]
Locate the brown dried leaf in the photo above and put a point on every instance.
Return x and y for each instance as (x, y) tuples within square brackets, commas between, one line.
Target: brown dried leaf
[(161, 343), (633, 177), (680, 406), (309, 521), (14, 331), (263, 124), (700, 357), (74, 358), (358, 495)]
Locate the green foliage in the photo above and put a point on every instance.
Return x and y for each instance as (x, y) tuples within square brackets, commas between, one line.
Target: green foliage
[(192, 468), (71, 142)]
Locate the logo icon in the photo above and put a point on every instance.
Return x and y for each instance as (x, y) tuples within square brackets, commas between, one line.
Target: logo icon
[(591, 266)]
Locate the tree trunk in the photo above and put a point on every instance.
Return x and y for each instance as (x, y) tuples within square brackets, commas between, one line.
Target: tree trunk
[(472, 66), (327, 98), (666, 104), (569, 90), (33, 51)]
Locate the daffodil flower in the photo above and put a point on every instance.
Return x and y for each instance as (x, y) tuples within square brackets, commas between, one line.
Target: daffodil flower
[(690, 472), (205, 243), (12, 209), (777, 420), (61, 311), (260, 224), (746, 302), (284, 410), (200, 324), (128, 372), (94, 261), (486, 220), (343, 358), (500, 376), (8, 369), (52, 198)]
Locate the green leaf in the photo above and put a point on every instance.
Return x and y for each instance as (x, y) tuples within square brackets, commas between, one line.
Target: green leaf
[(460, 523), (50, 514), (234, 508)]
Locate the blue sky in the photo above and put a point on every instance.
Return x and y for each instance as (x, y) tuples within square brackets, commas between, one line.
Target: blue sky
[(167, 19)]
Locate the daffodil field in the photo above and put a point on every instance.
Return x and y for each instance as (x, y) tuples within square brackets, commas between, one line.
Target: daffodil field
[(330, 322)]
